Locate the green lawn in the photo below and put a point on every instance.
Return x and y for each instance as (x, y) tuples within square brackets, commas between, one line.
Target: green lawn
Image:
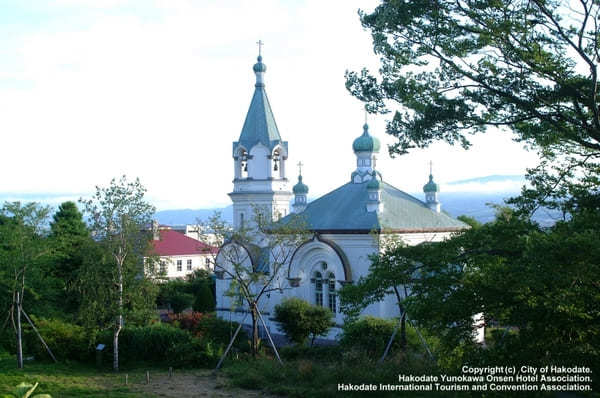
[(68, 380)]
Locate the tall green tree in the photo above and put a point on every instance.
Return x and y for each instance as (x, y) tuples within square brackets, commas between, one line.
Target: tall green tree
[(23, 247), (202, 286), (541, 282), (117, 282), (454, 68), (71, 240)]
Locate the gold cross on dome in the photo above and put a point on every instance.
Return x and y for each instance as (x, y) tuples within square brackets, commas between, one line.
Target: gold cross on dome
[(260, 44), (300, 164)]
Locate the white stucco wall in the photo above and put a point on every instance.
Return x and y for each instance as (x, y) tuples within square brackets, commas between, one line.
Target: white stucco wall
[(199, 261), (355, 247)]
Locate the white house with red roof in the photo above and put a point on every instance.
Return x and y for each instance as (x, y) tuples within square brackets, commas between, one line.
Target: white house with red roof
[(180, 255)]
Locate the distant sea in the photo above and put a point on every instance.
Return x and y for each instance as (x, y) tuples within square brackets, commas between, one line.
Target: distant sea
[(472, 204)]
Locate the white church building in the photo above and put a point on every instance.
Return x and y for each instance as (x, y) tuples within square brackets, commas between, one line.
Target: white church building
[(341, 222)]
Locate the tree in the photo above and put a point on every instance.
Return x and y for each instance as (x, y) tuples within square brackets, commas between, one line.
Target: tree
[(470, 221), (253, 258), (384, 278), (299, 319), (70, 238), (543, 283), (23, 245), (118, 280), (463, 67), (175, 294), (202, 286)]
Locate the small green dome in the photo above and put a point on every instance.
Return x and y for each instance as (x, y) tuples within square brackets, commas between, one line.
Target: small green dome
[(259, 66), (366, 143), (300, 188), (374, 184), (431, 186)]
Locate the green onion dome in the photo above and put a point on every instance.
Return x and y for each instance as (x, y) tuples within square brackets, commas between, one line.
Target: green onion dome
[(431, 186), (300, 188), (259, 66), (374, 183), (366, 143)]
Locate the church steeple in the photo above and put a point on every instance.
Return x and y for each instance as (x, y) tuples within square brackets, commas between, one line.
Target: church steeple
[(300, 192), (365, 148), (260, 157), (431, 190), (260, 126)]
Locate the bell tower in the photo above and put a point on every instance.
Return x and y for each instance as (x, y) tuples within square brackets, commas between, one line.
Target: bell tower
[(259, 159), (431, 190)]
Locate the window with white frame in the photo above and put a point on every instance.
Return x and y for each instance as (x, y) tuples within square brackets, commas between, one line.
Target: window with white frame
[(318, 289), (163, 267), (331, 293), (207, 262), (189, 264), (325, 294), (179, 265)]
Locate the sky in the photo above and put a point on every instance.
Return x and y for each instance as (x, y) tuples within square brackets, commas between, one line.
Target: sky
[(94, 89)]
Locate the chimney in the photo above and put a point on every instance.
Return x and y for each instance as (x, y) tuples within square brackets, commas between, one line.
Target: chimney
[(155, 231)]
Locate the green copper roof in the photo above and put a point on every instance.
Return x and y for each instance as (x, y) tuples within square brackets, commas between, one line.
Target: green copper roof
[(300, 187), (366, 143), (374, 184), (344, 211), (259, 66), (260, 126), (431, 186)]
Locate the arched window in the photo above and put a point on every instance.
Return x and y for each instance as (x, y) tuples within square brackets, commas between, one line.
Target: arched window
[(241, 220), (276, 158), (318, 289), (243, 163), (331, 293)]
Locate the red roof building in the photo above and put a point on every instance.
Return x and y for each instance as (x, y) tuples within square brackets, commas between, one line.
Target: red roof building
[(173, 243), (181, 255)]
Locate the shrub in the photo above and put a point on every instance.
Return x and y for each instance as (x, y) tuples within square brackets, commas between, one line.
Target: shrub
[(298, 319), (175, 294), (204, 300), (155, 343), (220, 331), (199, 353), (371, 334), (188, 321), (209, 327), (180, 301), (66, 340)]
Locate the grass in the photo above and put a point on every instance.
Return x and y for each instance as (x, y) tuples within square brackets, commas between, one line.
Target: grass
[(68, 379), (318, 374)]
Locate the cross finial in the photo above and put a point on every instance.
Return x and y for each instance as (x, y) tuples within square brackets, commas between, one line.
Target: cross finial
[(430, 167), (366, 114), (260, 44), (300, 164)]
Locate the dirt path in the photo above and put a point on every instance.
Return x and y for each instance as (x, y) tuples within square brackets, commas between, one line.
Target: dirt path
[(194, 383)]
